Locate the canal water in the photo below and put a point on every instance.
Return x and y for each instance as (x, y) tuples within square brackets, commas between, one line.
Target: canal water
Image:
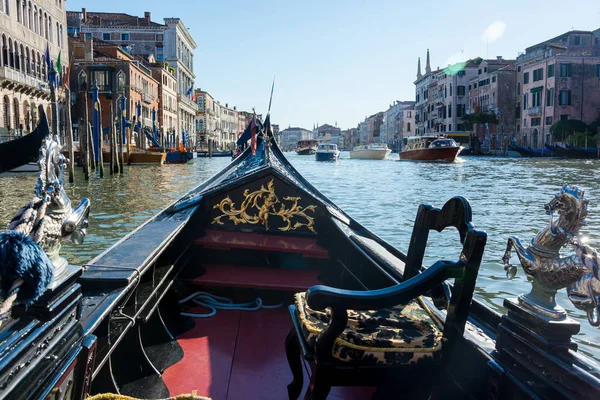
[(507, 197)]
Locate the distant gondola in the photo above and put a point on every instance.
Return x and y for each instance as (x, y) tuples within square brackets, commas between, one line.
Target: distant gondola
[(529, 152), (23, 150)]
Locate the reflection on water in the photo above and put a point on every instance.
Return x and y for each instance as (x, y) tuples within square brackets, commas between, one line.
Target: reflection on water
[(507, 196)]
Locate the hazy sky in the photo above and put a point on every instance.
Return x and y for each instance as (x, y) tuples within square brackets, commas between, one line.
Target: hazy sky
[(343, 60)]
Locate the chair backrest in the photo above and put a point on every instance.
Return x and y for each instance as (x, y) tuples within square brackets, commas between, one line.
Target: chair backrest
[(455, 213)]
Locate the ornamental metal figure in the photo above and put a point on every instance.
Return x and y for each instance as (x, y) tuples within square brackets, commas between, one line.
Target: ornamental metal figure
[(49, 217), (548, 272)]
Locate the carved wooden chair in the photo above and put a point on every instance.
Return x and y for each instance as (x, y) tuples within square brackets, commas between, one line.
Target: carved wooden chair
[(388, 337)]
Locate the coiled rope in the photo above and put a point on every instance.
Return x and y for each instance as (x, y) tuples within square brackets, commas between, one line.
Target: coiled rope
[(214, 303)]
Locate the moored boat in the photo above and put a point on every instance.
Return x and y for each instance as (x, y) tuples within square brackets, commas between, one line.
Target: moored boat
[(327, 152), (430, 148), (373, 151), (215, 153), (206, 295), (307, 147), (529, 152)]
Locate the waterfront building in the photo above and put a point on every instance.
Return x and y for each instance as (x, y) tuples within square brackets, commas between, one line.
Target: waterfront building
[(558, 79), (170, 43), (206, 120), (397, 122), (370, 129), (116, 73), (324, 132), (25, 30), (351, 138), (229, 126), (167, 113), (492, 92), (291, 136), (421, 97)]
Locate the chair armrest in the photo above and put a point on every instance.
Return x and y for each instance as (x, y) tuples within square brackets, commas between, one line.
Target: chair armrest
[(321, 297)]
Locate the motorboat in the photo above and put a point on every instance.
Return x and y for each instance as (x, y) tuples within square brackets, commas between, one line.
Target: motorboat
[(253, 276), (327, 152), (430, 148), (373, 151), (307, 147)]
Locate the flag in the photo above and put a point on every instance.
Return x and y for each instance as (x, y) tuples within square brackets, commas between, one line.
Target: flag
[(47, 55), (67, 75), (58, 64), (189, 92)]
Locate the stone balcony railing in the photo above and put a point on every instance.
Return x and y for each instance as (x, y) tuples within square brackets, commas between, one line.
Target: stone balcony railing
[(18, 77), (533, 111), (147, 98), (186, 101)]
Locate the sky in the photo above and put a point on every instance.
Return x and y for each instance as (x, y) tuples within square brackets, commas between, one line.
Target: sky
[(340, 61)]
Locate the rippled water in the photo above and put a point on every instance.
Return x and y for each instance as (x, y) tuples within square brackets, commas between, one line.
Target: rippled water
[(507, 196)]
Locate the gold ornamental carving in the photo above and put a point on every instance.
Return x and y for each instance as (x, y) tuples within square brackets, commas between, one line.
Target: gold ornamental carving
[(263, 203)]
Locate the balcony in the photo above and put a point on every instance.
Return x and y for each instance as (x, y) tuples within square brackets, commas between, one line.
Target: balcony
[(534, 111), (147, 98), (147, 122), (17, 79), (187, 102)]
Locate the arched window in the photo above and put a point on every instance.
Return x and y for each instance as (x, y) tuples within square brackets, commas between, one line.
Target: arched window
[(25, 15), (35, 23), (7, 7), (27, 61), (62, 37), (4, 51), (40, 23), (45, 26), (19, 15), (82, 80), (22, 58), (38, 66), (120, 81), (11, 53), (30, 19), (16, 115), (58, 35), (6, 113), (50, 29)]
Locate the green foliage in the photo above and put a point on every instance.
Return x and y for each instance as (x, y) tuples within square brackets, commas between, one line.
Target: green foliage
[(594, 126), (579, 139), (564, 129)]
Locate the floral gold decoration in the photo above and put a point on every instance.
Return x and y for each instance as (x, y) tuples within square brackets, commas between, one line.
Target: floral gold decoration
[(259, 205)]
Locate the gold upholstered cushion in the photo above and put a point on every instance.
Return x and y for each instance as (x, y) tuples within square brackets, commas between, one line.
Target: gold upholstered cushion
[(401, 335)]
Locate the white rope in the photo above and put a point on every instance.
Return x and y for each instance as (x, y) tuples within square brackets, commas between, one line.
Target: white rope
[(214, 303), (11, 296)]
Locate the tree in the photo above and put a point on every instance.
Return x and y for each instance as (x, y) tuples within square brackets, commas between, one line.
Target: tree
[(566, 128), (478, 118)]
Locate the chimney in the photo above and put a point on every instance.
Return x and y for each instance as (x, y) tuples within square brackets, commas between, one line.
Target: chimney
[(498, 57), (84, 14), (88, 51), (147, 17)]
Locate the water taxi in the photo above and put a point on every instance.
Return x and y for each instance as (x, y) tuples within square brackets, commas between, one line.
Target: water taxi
[(327, 152), (373, 151), (307, 147), (430, 148)]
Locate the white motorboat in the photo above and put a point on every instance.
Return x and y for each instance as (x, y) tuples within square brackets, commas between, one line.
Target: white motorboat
[(373, 151)]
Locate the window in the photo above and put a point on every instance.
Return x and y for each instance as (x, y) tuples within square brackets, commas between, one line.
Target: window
[(525, 102), (518, 88), (576, 40), (536, 121), (460, 110), (449, 111), (106, 36), (538, 74), (536, 97), (519, 69), (564, 98), (549, 97), (518, 111), (493, 79), (484, 69), (598, 70), (524, 123), (159, 37), (159, 49), (124, 36), (469, 86), (479, 71), (159, 56), (460, 90), (526, 78), (548, 120), (565, 70), (550, 71), (408, 127), (564, 117), (88, 35)]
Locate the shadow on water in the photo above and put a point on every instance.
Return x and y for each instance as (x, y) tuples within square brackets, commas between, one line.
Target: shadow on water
[(507, 196)]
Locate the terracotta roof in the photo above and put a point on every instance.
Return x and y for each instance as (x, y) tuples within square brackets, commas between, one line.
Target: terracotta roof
[(112, 19)]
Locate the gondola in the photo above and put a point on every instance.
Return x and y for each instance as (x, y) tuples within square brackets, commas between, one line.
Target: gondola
[(18, 152), (529, 152), (583, 152), (224, 294)]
